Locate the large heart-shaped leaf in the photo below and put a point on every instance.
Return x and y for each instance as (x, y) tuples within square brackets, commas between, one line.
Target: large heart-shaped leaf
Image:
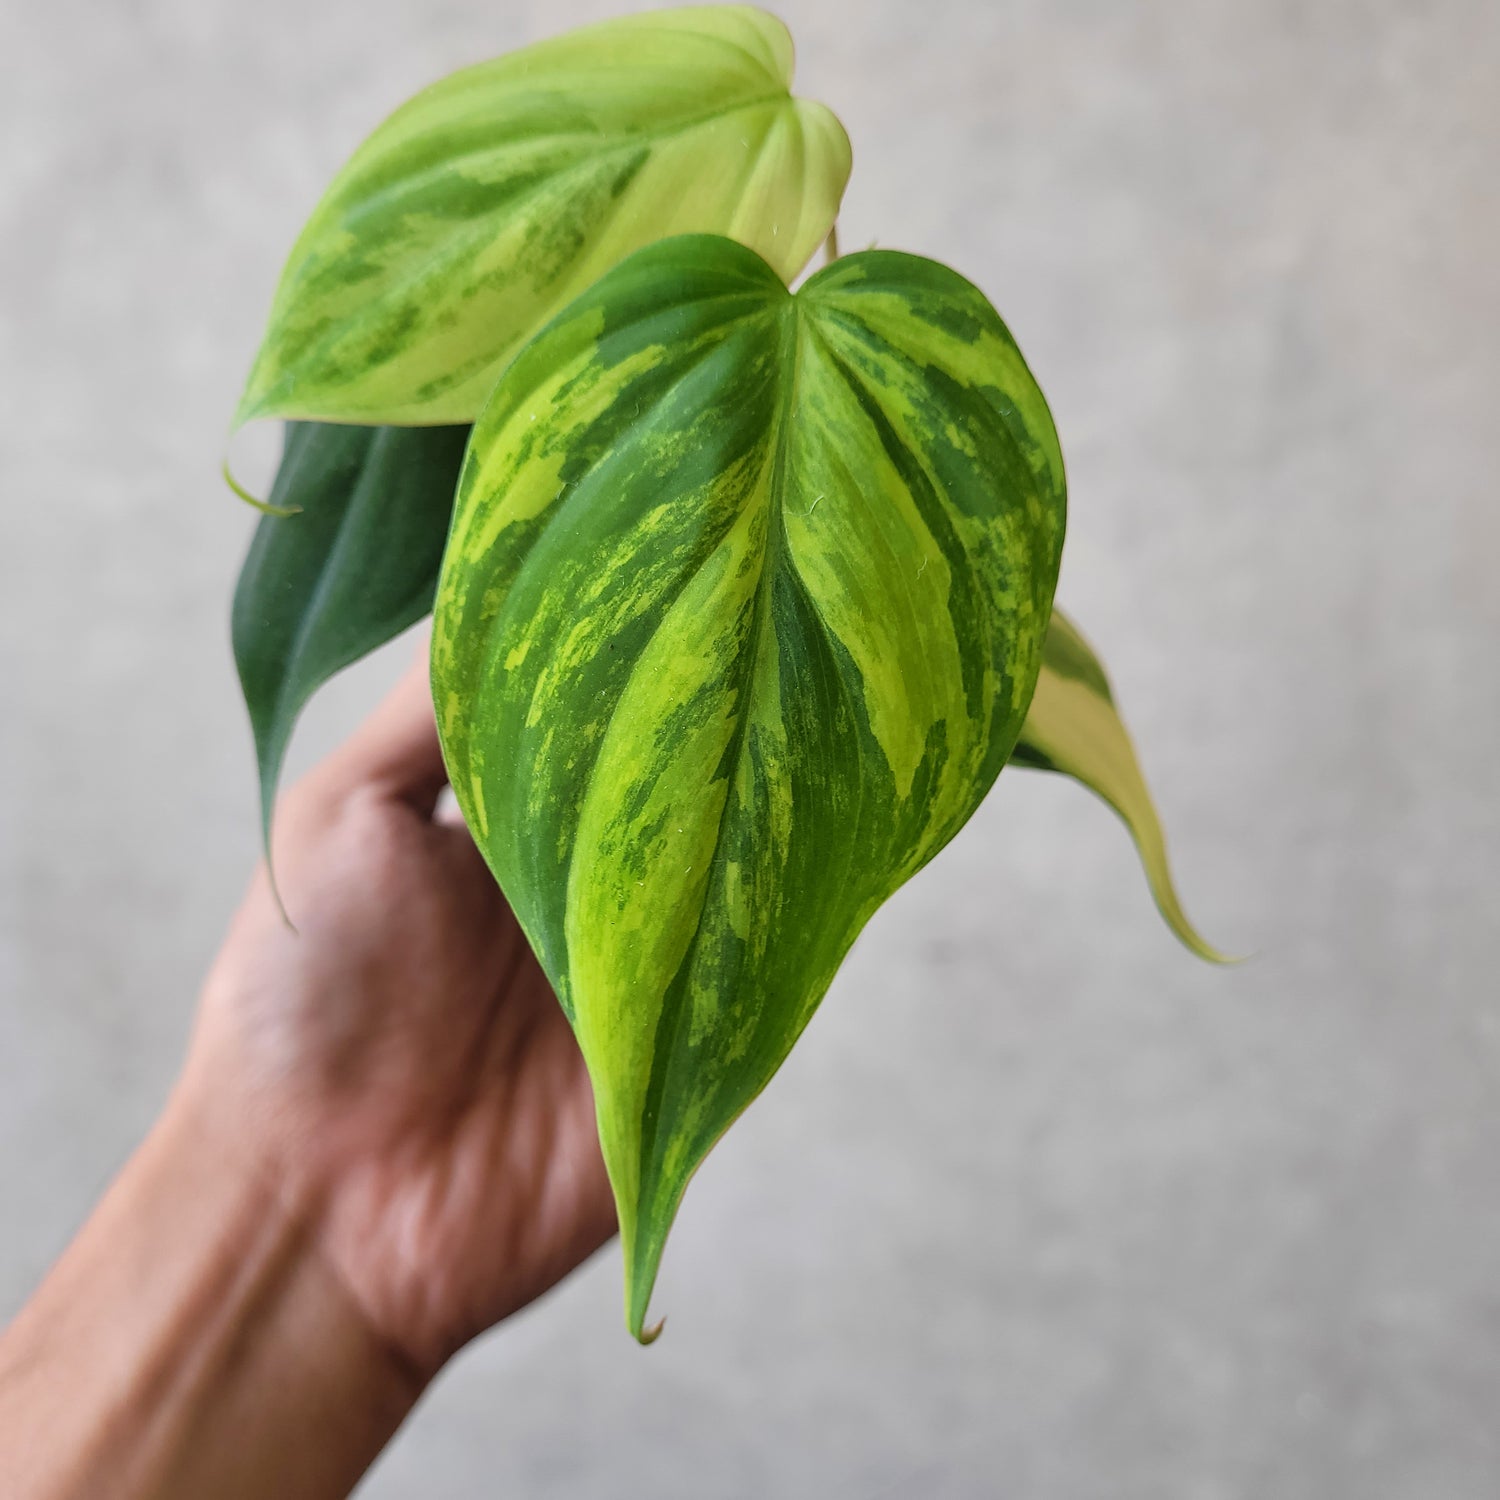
[(741, 612), (492, 198), (1074, 727), (351, 569)]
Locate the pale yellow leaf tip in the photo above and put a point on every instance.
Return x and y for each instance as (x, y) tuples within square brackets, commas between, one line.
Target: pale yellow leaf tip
[(1188, 935), (650, 1335), (1073, 727), (1151, 846)]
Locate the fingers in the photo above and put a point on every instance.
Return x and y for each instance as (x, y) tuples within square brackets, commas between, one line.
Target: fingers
[(397, 747)]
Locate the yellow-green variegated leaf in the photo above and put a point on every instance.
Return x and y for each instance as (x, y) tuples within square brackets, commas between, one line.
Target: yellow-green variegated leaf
[(741, 611), (1074, 727), (494, 197)]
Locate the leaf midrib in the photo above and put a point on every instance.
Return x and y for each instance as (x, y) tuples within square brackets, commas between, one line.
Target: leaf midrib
[(674, 997)]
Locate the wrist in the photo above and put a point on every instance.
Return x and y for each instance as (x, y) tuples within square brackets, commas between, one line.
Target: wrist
[(295, 1361), (223, 1355), (275, 1217), (321, 1164)]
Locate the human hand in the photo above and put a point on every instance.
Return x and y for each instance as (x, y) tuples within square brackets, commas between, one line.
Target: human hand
[(397, 1066)]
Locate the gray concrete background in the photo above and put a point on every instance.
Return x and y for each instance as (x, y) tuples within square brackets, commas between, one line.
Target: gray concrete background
[(1041, 1207)]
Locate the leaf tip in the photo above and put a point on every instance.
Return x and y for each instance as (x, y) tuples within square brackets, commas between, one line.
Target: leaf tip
[(1164, 891), (1196, 944), (1210, 954), (276, 896), (263, 506), (643, 1251), (638, 1304)]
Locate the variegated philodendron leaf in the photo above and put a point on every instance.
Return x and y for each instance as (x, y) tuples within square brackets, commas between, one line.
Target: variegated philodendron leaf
[(493, 198), (1074, 727), (740, 616), (351, 569)]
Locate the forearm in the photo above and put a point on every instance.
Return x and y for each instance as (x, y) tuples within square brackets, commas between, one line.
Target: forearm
[(192, 1342)]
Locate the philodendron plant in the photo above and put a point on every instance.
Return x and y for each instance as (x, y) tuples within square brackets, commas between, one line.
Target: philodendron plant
[(743, 595)]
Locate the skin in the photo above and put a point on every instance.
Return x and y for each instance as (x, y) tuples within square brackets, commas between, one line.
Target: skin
[(382, 1143)]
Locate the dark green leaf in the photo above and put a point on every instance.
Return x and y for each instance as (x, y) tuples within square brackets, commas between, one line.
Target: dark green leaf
[(352, 569)]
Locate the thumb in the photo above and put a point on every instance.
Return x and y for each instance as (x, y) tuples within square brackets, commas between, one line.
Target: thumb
[(396, 749)]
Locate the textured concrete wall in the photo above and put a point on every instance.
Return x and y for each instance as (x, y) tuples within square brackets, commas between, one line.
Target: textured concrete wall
[(1041, 1208)]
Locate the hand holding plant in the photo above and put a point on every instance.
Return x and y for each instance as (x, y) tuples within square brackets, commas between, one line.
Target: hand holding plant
[(397, 1067), (743, 594)]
